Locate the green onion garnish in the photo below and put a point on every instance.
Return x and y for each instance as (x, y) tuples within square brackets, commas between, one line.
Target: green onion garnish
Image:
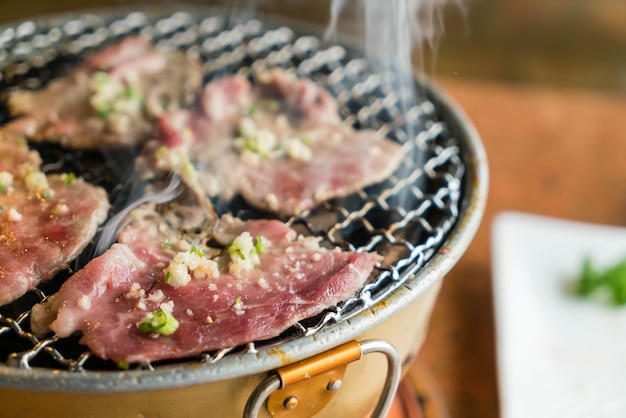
[(259, 246), (610, 281), (158, 321), (69, 178), (252, 111), (196, 250)]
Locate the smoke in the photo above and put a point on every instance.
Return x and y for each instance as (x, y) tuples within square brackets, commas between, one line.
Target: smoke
[(394, 36), (108, 234), (395, 33)]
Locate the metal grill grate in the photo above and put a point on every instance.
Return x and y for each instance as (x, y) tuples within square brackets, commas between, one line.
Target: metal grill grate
[(405, 218)]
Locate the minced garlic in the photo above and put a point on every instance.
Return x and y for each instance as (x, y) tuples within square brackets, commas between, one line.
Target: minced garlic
[(13, 215), (111, 99), (244, 252), (60, 209), (298, 150), (247, 127), (156, 296), (238, 307), (206, 269), (167, 307), (84, 302), (135, 292), (37, 183), (188, 265), (6, 181), (316, 257), (271, 200), (309, 243)]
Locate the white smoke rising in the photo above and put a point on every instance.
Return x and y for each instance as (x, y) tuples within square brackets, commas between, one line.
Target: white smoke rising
[(394, 35), (395, 32)]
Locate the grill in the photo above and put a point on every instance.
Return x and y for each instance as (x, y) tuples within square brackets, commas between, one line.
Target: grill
[(408, 218)]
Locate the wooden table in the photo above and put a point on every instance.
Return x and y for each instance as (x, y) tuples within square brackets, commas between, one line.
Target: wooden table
[(551, 151)]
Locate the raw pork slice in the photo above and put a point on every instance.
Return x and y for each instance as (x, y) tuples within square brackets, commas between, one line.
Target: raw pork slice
[(278, 142), (151, 297), (45, 221), (111, 99)]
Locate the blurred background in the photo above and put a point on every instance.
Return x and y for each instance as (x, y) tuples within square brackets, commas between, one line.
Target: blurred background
[(577, 43), (544, 82)]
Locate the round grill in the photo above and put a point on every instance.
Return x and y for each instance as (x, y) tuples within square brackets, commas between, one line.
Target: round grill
[(406, 218)]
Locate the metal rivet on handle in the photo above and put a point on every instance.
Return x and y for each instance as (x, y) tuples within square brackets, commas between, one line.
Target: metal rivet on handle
[(291, 403), (334, 385)]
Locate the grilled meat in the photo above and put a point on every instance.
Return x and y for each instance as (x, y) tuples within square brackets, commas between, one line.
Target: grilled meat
[(152, 296), (45, 220), (110, 100), (279, 143)]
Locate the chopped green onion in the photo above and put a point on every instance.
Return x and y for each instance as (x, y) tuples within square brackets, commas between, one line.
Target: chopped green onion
[(133, 93), (187, 167), (252, 111), (101, 77), (169, 245), (235, 250), (611, 281), (168, 277), (103, 113), (158, 321), (196, 250), (259, 245), (3, 187), (251, 145), (69, 178), (123, 365)]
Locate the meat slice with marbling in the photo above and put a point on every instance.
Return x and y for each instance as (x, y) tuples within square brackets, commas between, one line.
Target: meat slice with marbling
[(217, 297), (278, 142), (45, 220), (109, 100)]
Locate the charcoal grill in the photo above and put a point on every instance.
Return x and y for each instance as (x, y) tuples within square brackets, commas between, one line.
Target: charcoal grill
[(421, 220)]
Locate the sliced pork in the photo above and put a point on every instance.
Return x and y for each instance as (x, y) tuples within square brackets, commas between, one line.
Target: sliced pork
[(15, 156), (152, 296), (111, 99), (45, 221), (278, 142)]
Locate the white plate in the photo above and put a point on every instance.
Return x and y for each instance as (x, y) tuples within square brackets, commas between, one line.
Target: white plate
[(558, 355)]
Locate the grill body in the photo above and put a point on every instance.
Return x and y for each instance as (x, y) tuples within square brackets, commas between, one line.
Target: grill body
[(421, 220)]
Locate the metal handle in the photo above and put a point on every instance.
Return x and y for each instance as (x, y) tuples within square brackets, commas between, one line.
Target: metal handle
[(348, 352)]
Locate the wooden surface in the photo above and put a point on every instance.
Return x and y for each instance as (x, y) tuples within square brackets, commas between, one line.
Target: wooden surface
[(551, 151)]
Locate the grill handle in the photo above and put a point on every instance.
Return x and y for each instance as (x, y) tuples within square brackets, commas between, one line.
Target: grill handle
[(325, 363)]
